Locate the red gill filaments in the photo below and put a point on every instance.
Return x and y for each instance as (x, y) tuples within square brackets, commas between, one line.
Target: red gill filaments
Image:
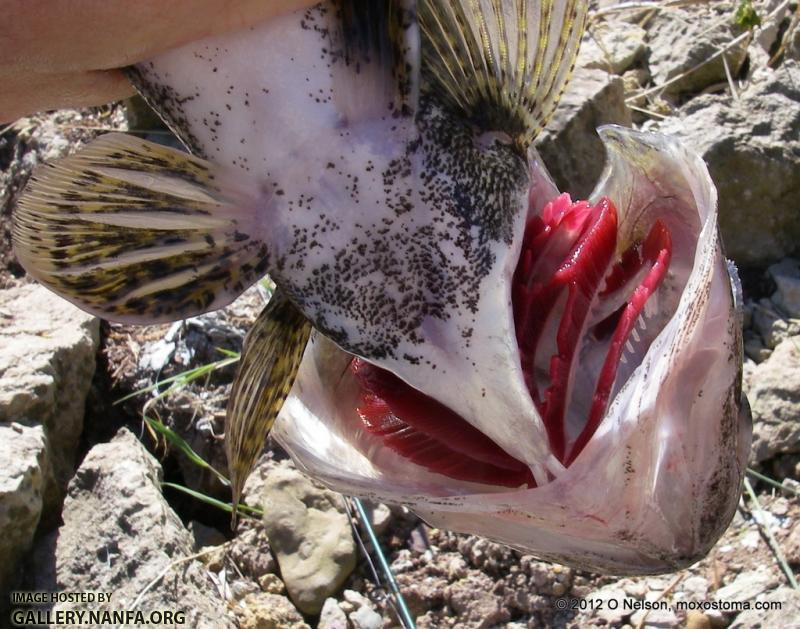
[(576, 298)]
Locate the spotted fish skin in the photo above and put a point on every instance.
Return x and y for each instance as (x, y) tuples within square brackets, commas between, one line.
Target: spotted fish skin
[(391, 206)]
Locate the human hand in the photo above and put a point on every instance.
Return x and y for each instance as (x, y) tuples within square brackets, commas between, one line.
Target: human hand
[(61, 53)]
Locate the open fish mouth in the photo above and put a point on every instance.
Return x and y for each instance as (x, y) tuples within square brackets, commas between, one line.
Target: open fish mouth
[(629, 358), (581, 306)]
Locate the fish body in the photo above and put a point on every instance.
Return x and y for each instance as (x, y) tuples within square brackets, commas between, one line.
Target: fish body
[(503, 360)]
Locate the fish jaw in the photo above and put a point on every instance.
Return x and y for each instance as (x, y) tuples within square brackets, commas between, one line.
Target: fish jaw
[(659, 480)]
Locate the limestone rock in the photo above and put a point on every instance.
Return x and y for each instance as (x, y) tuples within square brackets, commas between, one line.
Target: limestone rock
[(786, 275), (119, 535), (785, 616), (46, 368), (332, 616), (774, 397), (310, 536), (473, 599), (268, 611), (746, 586), (679, 41), (752, 147), (570, 146), (612, 47), (773, 327), (24, 468)]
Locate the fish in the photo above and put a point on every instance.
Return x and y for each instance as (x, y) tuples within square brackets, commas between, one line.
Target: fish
[(449, 332)]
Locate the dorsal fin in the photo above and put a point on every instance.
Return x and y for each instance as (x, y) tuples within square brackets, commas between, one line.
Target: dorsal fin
[(502, 63)]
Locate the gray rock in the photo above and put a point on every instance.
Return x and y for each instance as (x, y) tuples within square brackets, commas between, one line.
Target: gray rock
[(655, 619), (786, 613), (774, 396), (754, 348), (611, 614), (46, 369), (332, 616), (23, 470), (680, 40), (752, 147), (786, 275), (570, 146), (612, 47), (475, 602), (366, 618), (120, 536), (773, 327), (746, 586), (310, 535), (268, 611), (251, 553), (380, 516)]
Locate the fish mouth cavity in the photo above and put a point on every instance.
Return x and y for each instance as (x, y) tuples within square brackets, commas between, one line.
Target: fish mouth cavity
[(582, 307)]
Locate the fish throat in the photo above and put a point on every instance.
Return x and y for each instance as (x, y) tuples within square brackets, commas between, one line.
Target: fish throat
[(580, 301)]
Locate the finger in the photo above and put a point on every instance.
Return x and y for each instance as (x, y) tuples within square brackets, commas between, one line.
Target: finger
[(62, 35), (36, 92)]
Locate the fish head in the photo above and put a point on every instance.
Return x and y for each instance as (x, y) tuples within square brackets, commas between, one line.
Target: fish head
[(652, 429)]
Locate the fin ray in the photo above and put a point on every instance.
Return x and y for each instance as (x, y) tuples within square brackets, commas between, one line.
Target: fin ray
[(503, 64), (271, 356), (136, 232)]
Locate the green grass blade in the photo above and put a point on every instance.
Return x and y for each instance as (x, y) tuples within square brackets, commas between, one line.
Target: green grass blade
[(225, 506), (176, 440)]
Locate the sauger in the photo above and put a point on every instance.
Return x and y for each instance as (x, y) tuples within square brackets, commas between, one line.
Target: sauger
[(449, 332)]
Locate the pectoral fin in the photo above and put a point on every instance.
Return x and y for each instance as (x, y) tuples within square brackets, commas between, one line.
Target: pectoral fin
[(136, 232), (271, 357)]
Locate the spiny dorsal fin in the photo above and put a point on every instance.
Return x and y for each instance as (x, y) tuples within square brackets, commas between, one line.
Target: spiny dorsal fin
[(270, 359), (502, 63), (136, 232)]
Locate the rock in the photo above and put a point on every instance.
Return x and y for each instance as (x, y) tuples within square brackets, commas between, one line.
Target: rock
[(120, 536), (268, 611), (570, 146), (332, 616), (205, 535), (791, 545), (422, 594), (475, 602), (310, 535), (46, 369), (251, 553), (754, 348), (365, 618), (24, 467), (752, 148), (786, 275), (680, 40), (611, 614), (660, 616), (380, 516), (612, 47), (746, 586), (774, 397), (697, 620), (771, 325), (271, 584), (785, 604)]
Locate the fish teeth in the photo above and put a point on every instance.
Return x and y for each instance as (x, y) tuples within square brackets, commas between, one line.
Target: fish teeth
[(635, 334), (629, 346)]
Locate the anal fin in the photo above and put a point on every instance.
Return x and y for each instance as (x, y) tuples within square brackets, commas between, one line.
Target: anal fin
[(136, 232)]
